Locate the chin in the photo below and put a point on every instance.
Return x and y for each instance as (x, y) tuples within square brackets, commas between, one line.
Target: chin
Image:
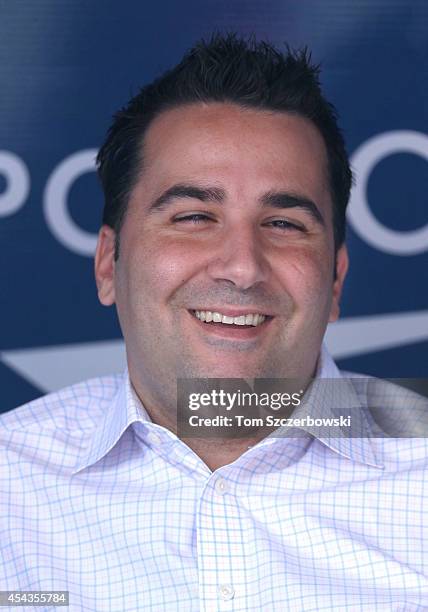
[(222, 368)]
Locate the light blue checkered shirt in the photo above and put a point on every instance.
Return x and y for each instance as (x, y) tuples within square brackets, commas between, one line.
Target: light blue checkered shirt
[(98, 500)]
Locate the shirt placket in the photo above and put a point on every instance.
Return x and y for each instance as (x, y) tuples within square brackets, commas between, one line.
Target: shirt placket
[(221, 535)]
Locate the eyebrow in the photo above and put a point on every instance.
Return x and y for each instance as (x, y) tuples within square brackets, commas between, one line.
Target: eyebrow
[(289, 200), (274, 199), (204, 194)]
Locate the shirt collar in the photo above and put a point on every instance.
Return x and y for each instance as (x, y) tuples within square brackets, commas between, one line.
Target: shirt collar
[(333, 395), (126, 409)]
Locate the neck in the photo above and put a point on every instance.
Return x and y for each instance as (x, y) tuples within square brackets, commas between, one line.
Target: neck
[(214, 452), (217, 452)]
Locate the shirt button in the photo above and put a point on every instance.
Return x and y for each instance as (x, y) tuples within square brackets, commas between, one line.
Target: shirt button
[(226, 592), (221, 486)]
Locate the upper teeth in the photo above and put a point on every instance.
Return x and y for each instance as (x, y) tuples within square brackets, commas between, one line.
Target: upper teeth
[(217, 317)]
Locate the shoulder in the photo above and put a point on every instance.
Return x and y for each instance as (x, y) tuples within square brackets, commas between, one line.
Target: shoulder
[(75, 407), (397, 415), (393, 400), (47, 435)]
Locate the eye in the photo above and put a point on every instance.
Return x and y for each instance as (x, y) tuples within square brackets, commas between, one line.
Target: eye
[(284, 225), (192, 218)]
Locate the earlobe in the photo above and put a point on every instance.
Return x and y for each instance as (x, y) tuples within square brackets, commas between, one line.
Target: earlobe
[(342, 264), (104, 265)]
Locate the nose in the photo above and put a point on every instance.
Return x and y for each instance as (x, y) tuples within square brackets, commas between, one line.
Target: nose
[(240, 258)]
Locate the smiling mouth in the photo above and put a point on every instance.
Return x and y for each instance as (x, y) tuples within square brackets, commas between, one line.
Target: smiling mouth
[(242, 321)]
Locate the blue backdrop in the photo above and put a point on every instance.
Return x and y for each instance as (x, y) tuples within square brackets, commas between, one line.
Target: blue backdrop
[(66, 66)]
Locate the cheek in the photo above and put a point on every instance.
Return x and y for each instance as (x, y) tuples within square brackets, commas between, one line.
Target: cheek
[(156, 270), (306, 274)]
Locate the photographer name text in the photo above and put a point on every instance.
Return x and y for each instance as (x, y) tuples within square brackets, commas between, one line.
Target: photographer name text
[(240, 420)]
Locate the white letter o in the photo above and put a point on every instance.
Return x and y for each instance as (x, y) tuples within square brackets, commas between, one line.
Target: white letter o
[(56, 211), (361, 217)]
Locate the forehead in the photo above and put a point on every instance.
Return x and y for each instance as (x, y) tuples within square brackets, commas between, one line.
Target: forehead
[(223, 140)]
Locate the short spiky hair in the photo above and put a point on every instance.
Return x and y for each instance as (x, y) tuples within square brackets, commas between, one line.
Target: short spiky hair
[(228, 69)]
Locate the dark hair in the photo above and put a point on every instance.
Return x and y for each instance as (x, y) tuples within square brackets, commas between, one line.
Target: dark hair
[(225, 69)]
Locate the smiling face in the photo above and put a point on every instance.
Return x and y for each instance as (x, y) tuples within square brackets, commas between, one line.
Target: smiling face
[(231, 216)]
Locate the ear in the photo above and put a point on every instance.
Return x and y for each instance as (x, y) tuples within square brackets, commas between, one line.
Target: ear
[(342, 263), (104, 265)]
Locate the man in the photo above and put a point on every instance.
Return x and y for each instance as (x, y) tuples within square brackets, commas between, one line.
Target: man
[(226, 183)]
